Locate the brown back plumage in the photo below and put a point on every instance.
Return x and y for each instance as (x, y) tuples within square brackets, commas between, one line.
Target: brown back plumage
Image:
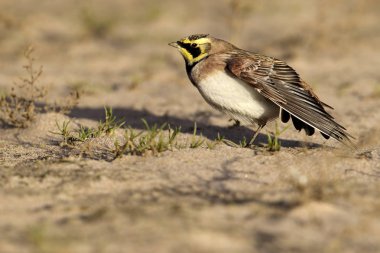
[(281, 84)]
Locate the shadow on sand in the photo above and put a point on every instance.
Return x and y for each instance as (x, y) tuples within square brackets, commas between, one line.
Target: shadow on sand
[(133, 118)]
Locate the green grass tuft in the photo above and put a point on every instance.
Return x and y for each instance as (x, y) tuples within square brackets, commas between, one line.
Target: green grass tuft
[(110, 123), (155, 140), (196, 141), (273, 142)]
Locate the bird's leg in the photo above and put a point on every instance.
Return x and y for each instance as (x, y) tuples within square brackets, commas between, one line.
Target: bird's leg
[(256, 134)]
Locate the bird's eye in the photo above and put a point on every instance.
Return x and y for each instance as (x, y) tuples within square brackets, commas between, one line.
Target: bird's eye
[(193, 45)]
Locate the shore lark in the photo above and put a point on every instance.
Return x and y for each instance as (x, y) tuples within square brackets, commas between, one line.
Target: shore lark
[(253, 88)]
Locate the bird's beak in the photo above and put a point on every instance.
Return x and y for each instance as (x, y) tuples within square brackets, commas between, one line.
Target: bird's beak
[(173, 44)]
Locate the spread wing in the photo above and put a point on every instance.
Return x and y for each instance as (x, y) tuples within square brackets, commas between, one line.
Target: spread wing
[(280, 83)]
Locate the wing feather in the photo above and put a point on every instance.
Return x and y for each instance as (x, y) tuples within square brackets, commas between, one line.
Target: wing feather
[(280, 83)]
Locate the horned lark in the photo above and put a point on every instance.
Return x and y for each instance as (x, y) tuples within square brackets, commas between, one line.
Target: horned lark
[(253, 88)]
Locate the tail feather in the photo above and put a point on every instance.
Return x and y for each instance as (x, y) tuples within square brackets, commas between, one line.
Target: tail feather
[(284, 115), (338, 132), (299, 125)]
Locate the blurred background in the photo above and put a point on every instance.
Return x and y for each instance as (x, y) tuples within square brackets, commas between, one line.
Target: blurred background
[(100, 46)]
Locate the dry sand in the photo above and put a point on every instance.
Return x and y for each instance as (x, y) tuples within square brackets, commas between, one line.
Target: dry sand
[(311, 196)]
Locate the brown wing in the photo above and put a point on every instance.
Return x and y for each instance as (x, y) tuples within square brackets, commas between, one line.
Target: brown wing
[(280, 83)]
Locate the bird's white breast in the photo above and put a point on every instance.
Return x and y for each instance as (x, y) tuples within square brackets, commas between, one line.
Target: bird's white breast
[(236, 98)]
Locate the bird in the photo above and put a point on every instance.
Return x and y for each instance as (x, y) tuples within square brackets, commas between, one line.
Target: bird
[(255, 89)]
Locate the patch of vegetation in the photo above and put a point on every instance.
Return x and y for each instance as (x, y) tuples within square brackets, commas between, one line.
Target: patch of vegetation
[(273, 142), (196, 141), (63, 130), (18, 109), (110, 124), (153, 140), (82, 133), (241, 144), (28, 97)]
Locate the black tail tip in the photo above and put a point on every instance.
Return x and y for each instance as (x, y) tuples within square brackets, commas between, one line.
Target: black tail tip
[(299, 125), (325, 136)]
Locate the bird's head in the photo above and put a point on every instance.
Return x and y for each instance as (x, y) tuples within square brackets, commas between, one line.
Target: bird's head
[(193, 48)]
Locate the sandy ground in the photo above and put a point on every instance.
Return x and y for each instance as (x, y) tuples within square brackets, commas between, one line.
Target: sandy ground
[(311, 196)]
